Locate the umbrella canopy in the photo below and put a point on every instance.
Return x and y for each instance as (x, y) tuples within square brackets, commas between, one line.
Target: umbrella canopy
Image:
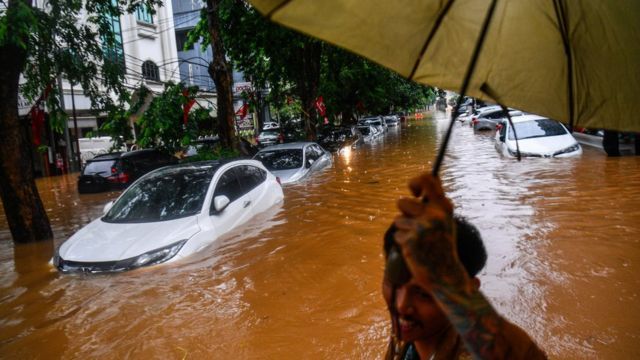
[(577, 61)]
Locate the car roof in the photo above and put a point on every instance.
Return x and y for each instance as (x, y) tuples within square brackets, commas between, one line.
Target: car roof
[(527, 117), (139, 152), (193, 165), (489, 108), (286, 146), (105, 157)]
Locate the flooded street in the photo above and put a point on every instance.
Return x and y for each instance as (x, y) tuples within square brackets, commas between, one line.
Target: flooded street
[(303, 281)]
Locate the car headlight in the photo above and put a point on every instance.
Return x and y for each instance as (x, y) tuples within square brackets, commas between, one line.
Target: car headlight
[(572, 148), (157, 256)]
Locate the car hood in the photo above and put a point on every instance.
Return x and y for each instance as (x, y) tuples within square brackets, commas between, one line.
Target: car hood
[(101, 241), (289, 176), (547, 145)]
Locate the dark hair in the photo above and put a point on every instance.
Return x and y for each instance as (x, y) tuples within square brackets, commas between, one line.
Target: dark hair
[(471, 251)]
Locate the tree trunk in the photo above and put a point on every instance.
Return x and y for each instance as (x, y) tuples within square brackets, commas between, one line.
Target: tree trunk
[(28, 221), (220, 72), (307, 83)]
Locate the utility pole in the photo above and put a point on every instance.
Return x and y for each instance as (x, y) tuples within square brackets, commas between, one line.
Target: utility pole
[(66, 124), (75, 126)]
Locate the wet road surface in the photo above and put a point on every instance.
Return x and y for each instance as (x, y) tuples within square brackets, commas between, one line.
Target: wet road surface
[(303, 281)]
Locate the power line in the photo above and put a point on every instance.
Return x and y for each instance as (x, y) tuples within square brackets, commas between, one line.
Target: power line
[(162, 31)]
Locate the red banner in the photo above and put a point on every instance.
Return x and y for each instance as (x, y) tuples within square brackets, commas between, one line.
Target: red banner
[(37, 123), (242, 112), (319, 104), (37, 115), (187, 106)]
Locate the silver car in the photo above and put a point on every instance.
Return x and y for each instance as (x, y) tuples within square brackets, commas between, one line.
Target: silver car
[(488, 120), (293, 162), (269, 137)]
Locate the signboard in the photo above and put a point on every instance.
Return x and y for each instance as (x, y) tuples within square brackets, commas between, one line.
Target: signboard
[(242, 86), (23, 105), (245, 124)]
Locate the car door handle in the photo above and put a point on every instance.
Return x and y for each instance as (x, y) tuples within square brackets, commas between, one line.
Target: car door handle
[(246, 203)]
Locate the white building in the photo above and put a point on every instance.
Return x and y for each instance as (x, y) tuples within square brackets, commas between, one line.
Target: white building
[(146, 49), (147, 53)]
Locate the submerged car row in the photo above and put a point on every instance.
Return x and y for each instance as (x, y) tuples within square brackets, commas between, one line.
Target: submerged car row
[(530, 136), (171, 212)]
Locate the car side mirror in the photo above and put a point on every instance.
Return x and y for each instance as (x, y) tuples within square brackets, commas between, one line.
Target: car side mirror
[(220, 202), (107, 207), (309, 163)]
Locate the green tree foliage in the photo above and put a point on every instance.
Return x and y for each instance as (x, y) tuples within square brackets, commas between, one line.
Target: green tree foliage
[(352, 86), (70, 38), (289, 63), (269, 55), (162, 124)]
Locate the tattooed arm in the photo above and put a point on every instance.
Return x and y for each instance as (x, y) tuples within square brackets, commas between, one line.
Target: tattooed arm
[(426, 235)]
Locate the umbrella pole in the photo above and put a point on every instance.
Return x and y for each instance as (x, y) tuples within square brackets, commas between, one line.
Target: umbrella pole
[(465, 85)]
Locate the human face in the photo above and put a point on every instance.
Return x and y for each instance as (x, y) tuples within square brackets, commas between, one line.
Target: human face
[(420, 317)]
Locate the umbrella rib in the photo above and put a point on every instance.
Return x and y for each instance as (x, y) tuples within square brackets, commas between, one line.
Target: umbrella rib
[(562, 26), (465, 84), (432, 33), (277, 8)]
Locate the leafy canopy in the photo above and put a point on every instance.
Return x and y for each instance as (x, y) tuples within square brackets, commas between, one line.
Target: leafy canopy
[(69, 38)]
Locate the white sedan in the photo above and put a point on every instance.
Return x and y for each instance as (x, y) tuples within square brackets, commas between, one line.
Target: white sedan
[(537, 137), (170, 214)]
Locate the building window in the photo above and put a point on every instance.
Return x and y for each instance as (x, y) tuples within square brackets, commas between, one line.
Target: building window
[(143, 14), (150, 71), (181, 39), (114, 52)]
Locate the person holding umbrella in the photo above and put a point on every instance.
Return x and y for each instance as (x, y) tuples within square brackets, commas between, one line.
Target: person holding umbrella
[(437, 309)]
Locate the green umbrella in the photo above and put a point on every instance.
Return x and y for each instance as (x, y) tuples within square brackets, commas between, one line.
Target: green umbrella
[(577, 61)]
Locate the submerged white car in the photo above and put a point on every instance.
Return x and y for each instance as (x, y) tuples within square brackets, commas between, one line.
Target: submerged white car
[(292, 162), (169, 214), (537, 137)]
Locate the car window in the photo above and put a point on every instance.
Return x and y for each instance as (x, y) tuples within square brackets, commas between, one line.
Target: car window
[(537, 128), (228, 185), (250, 177), (503, 130), (285, 159), (167, 195), (99, 167), (318, 150), (310, 153), (139, 161)]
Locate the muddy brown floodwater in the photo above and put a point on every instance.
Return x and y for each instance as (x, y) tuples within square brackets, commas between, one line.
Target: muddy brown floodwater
[(303, 281)]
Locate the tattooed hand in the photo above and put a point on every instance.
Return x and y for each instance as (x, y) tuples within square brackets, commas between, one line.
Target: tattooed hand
[(426, 235)]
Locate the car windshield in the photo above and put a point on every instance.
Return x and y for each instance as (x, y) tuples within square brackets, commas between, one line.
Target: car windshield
[(102, 167), (285, 159), (537, 128), (165, 195)]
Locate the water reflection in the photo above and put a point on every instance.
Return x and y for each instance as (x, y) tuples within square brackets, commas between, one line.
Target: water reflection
[(304, 279)]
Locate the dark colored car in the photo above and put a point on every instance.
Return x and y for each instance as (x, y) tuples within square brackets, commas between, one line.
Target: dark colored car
[(335, 138), (116, 171)]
